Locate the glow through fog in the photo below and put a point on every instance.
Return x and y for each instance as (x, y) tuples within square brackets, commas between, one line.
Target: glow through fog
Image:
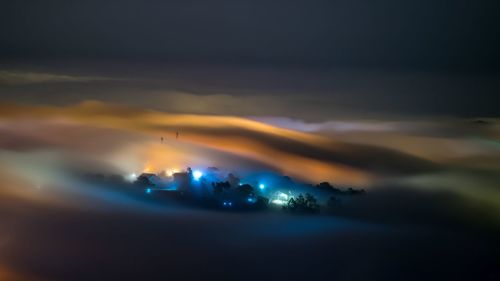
[(197, 175), (280, 198), (101, 137)]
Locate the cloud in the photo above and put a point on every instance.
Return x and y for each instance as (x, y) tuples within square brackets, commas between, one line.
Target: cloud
[(299, 154), (8, 77), (94, 136), (309, 95), (412, 198)]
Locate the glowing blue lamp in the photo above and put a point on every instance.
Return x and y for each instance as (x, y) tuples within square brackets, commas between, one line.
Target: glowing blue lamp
[(197, 175)]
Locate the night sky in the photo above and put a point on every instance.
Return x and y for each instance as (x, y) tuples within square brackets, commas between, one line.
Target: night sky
[(418, 57), (458, 35), (399, 98)]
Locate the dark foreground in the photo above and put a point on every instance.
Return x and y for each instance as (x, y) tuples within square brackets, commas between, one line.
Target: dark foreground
[(43, 243)]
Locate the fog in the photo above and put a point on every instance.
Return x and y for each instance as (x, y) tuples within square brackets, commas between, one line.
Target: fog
[(419, 207), (111, 236)]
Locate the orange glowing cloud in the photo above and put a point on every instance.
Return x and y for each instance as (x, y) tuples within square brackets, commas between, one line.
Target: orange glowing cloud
[(303, 155)]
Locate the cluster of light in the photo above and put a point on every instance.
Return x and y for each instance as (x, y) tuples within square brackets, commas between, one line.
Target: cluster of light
[(280, 198), (278, 202), (148, 190), (132, 177), (262, 186), (229, 203), (197, 175)]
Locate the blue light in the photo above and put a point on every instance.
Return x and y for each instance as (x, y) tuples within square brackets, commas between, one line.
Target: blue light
[(262, 186), (197, 175), (250, 199), (230, 203), (225, 203), (148, 190)]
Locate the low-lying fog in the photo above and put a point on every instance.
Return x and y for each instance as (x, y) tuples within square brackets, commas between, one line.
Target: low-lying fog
[(426, 215)]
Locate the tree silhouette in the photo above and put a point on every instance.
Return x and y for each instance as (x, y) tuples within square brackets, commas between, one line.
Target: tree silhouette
[(302, 204), (143, 181), (352, 191), (233, 180), (328, 187), (219, 187), (245, 189)]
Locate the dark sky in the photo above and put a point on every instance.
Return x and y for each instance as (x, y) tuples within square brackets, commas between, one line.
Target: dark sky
[(409, 57), (424, 34)]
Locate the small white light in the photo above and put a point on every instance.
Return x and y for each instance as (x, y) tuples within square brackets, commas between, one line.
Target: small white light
[(132, 177)]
